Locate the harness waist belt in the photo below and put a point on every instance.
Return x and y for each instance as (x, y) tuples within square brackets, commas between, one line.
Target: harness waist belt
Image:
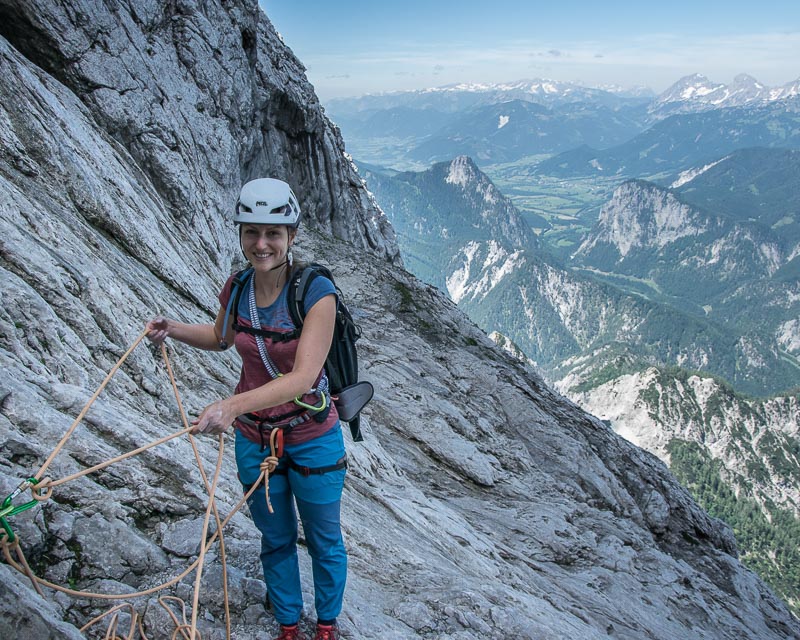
[(341, 463), (250, 420)]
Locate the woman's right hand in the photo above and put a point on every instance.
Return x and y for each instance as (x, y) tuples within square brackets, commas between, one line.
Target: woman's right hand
[(158, 329)]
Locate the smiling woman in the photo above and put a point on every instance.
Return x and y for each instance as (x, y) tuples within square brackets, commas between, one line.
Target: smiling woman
[(268, 216), (281, 408), (266, 247)]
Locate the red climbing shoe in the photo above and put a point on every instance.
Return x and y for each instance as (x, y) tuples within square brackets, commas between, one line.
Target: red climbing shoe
[(292, 632), (327, 632)]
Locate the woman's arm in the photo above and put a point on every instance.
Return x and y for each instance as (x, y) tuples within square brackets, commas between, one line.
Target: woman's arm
[(312, 350), (201, 336)]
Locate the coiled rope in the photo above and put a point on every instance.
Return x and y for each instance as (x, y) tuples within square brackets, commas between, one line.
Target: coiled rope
[(42, 489)]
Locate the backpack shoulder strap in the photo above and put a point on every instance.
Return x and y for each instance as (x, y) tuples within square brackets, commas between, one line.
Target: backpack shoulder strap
[(295, 297), (239, 280)]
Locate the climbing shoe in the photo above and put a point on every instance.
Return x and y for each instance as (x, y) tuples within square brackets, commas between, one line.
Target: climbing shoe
[(292, 632), (327, 632)]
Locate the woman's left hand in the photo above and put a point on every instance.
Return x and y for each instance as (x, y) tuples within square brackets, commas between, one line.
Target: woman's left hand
[(215, 418)]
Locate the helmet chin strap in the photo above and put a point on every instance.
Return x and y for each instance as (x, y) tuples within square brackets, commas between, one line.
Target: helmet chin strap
[(281, 265)]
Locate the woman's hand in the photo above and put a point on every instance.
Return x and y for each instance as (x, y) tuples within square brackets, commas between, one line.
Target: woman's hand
[(202, 336), (158, 329), (215, 418)]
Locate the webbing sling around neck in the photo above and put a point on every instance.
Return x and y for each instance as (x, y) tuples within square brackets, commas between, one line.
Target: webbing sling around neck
[(320, 412), (237, 286)]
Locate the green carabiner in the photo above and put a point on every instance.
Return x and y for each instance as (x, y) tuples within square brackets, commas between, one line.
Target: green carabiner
[(8, 510), (6, 530), (311, 407)]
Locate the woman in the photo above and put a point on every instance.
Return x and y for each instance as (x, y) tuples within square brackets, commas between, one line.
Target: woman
[(282, 386)]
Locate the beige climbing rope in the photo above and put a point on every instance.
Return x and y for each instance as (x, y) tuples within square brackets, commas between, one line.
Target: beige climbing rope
[(269, 464), (42, 490)]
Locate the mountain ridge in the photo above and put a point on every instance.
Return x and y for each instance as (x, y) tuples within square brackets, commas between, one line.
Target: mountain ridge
[(756, 184), (673, 144), (720, 416), (695, 91), (653, 234), (563, 309)]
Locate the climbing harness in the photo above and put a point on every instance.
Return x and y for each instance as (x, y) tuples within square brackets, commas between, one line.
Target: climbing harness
[(41, 488), (278, 454)]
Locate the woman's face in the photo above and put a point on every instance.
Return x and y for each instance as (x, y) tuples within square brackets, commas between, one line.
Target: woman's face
[(265, 245)]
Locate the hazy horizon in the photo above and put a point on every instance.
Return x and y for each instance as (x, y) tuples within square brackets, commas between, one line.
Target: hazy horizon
[(353, 48)]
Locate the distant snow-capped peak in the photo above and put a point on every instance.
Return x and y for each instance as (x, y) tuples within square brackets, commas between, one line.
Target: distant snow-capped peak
[(538, 86), (693, 87), (697, 92), (789, 90)]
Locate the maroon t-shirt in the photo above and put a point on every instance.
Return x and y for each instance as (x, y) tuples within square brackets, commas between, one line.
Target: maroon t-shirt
[(254, 374)]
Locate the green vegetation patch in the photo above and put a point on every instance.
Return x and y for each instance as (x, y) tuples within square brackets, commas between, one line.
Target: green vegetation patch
[(768, 538), (407, 302), (613, 368)]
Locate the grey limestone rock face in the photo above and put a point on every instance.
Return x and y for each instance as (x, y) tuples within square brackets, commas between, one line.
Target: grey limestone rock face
[(202, 96), (23, 614), (481, 503)]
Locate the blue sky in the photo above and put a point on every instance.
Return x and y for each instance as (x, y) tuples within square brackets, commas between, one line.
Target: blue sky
[(354, 47)]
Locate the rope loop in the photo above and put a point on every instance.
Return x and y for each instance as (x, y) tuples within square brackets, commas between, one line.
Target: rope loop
[(269, 464), (184, 630), (111, 628), (182, 625), (42, 490)]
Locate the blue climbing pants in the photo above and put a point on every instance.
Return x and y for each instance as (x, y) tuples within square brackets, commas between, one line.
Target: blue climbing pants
[(318, 499)]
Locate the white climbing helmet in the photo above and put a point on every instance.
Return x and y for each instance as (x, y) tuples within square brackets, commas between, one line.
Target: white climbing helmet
[(267, 201)]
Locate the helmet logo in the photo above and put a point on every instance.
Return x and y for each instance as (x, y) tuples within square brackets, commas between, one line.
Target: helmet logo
[(261, 203)]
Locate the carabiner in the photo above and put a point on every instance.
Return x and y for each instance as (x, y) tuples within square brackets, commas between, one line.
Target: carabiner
[(323, 404)]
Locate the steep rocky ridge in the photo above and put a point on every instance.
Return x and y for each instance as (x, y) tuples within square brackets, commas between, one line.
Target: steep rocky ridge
[(201, 95), (642, 221), (740, 456), (481, 503), (453, 204)]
